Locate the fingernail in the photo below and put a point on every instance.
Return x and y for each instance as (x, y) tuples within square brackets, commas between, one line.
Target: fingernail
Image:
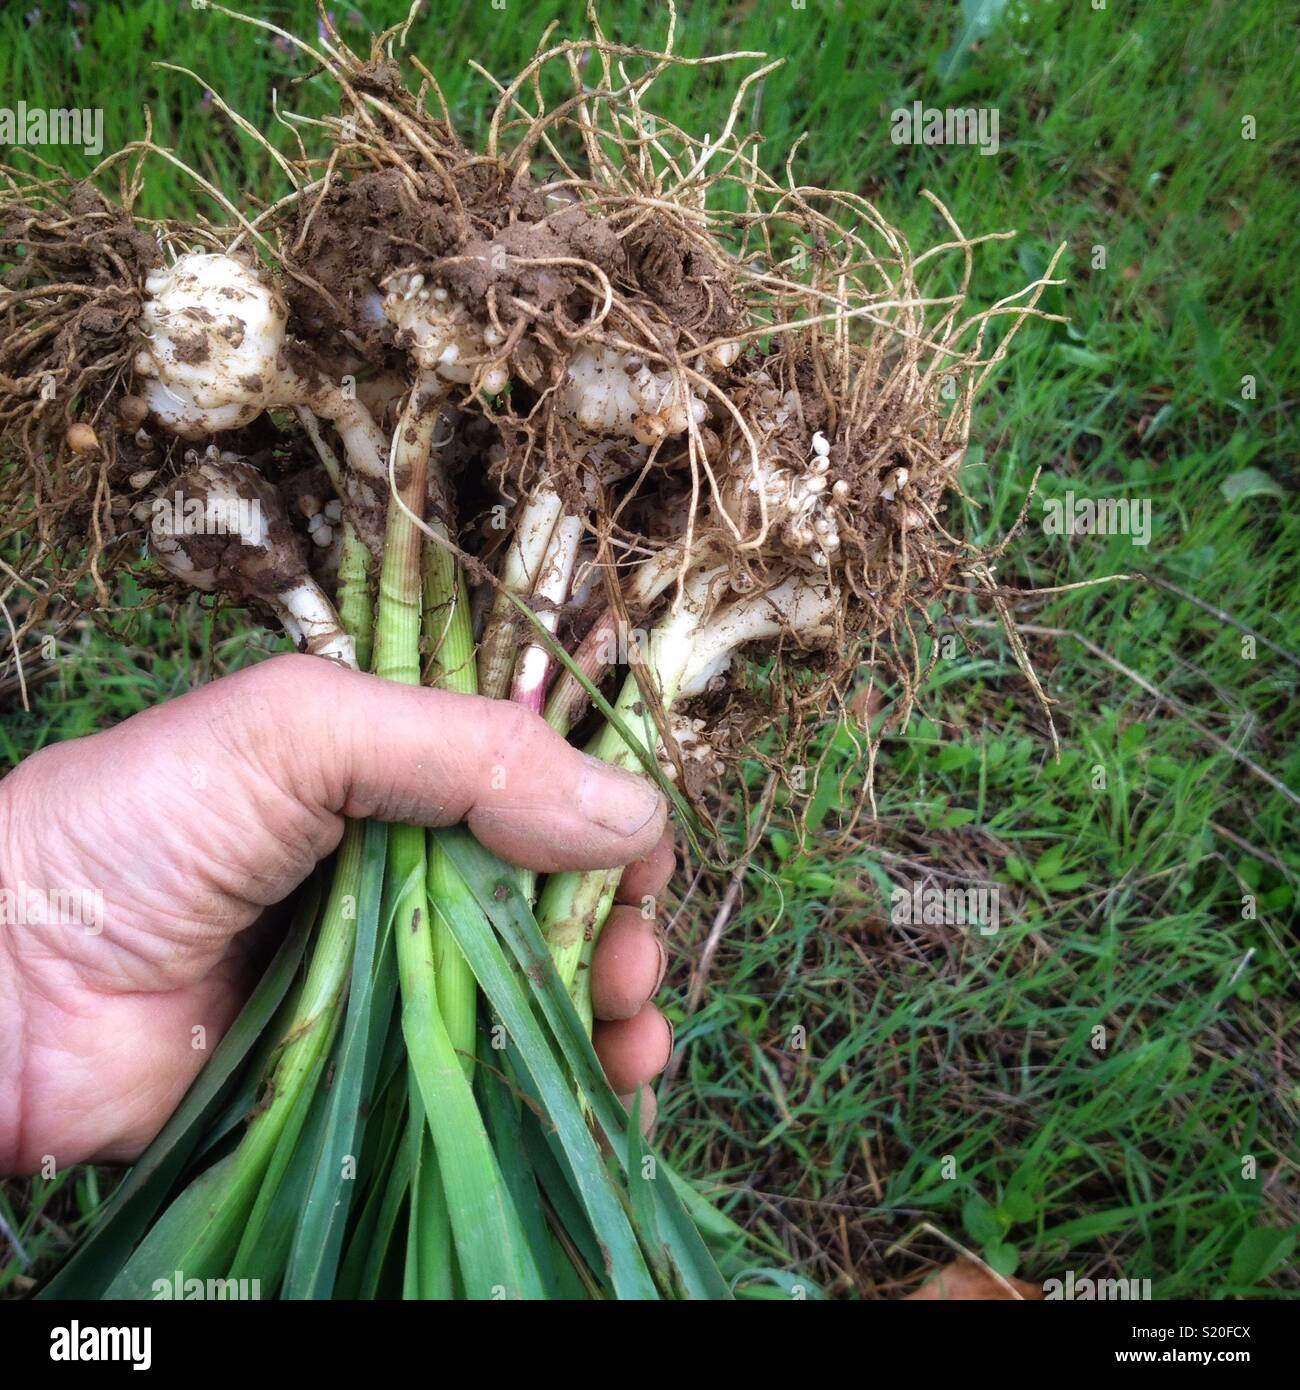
[(649, 1107), (614, 799), (663, 961)]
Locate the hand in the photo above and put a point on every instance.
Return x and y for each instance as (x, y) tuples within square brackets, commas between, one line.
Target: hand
[(174, 833)]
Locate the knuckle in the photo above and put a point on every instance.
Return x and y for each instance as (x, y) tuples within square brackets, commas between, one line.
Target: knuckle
[(298, 674), (516, 733)]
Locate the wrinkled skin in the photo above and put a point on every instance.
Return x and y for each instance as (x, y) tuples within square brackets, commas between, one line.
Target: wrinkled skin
[(192, 821)]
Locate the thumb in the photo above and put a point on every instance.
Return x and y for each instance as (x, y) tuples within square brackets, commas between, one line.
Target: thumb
[(353, 745)]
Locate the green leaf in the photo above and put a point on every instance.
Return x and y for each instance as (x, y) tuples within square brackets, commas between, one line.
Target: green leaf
[(641, 1191), (430, 1257), (775, 1284), (1065, 883), (376, 1252), (979, 18), (509, 997), (1050, 861), (318, 1239), (268, 1232), (1004, 1259), (1209, 348), (491, 1252), (1250, 482), (980, 1221), (1084, 357), (493, 886), (373, 1230), (1132, 738), (954, 755), (501, 1113), (561, 1190), (1019, 1206), (197, 1234), (1258, 1253)]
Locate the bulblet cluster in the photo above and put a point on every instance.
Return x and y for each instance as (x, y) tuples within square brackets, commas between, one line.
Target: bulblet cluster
[(693, 747), (801, 502), (441, 334), (611, 392)]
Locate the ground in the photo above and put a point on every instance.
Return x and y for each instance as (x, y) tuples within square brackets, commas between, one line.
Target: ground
[(1106, 1083)]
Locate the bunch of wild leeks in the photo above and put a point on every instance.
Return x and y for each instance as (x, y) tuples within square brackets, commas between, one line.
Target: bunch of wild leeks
[(600, 401)]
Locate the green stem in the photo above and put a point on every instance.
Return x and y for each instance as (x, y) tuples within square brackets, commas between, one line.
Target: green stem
[(450, 638), (355, 609), (490, 1251), (573, 906), (314, 1018), (447, 625)]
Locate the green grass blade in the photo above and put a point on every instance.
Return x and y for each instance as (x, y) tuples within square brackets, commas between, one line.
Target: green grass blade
[(378, 1253), (385, 1142), (430, 1259), (642, 1193), (491, 1252), (500, 1110), (268, 1231), (197, 1234), (556, 1181)]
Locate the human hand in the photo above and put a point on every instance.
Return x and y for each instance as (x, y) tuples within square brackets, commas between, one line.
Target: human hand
[(179, 829)]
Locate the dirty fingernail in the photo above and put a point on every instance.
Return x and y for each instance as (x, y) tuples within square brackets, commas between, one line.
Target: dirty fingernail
[(663, 962), (616, 800)]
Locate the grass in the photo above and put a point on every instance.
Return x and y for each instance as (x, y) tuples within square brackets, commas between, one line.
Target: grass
[(1108, 1082)]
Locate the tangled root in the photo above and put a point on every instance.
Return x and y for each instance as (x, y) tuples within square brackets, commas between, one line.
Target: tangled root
[(708, 357)]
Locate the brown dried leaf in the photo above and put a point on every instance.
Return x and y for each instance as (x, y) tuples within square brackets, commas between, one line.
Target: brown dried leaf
[(966, 1280)]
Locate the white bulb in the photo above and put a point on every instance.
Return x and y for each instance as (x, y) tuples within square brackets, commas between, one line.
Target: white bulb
[(214, 330)]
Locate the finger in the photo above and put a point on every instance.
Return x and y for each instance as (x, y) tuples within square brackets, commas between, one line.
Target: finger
[(633, 1050), (434, 758), (627, 965), (353, 745), (644, 879), (526, 794), (649, 1108)]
